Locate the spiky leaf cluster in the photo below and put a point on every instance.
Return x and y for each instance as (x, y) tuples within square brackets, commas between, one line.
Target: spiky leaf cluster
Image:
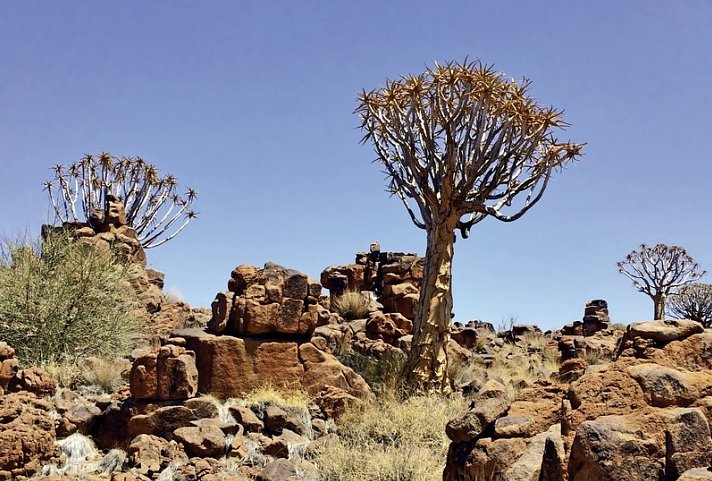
[(461, 139), (659, 270), (692, 302), (154, 208)]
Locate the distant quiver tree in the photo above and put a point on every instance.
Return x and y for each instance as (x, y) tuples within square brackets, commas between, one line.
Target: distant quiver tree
[(154, 208), (692, 302), (658, 271), (459, 143)]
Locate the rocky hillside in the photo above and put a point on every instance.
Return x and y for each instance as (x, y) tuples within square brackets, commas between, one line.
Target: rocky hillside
[(280, 382)]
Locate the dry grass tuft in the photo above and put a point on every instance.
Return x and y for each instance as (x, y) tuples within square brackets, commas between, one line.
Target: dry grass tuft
[(106, 374), (597, 356), (515, 364), (278, 396), (352, 305), (396, 440), (65, 373), (382, 374)]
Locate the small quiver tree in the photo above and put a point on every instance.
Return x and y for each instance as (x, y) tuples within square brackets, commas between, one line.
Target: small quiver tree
[(658, 271), (459, 143), (692, 302), (153, 207)]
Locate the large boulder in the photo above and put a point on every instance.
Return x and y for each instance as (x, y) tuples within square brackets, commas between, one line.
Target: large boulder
[(232, 367), (489, 403), (665, 330)]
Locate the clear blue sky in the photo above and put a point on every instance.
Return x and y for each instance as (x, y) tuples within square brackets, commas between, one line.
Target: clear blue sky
[(251, 103)]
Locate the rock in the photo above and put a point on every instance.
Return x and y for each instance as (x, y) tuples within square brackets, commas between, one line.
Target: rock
[(388, 327), (466, 337), (607, 391), (553, 460), (527, 466), (275, 419), (232, 367), (323, 369), (278, 470), (616, 448), (27, 434), (665, 331), (79, 418), (9, 364), (34, 380), (110, 429), (697, 474), (272, 301), (162, 422), (571, 369), (247, 419), (169, 374), (687, 442), (514, 426), (202, 408), (595, 317), (665, 386), (206, 440), (337, 338), (150, 454), (486, 406), (334, 402)]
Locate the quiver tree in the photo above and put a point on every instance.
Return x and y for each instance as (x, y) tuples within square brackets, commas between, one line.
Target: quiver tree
[(692, 302), (153, 206), (459, 143), (657, 271)]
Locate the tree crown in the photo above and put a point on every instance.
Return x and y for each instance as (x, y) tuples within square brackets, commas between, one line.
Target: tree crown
[(463, 140), (153, 206), (660, 269), (692, 302)]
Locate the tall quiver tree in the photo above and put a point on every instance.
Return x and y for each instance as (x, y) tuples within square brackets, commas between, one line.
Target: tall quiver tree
[(459, 143), (659, 270)]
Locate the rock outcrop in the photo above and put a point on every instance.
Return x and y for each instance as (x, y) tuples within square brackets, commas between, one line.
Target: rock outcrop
[(259, 334), (645, 415), (268, 302), (27, 434), (394, 277)]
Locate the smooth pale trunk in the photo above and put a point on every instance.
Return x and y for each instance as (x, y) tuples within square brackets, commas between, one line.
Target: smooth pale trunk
[(427, 364), (659, 306)]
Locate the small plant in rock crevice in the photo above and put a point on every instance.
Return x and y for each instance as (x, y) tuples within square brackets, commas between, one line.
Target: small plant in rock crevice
[(352, 305)]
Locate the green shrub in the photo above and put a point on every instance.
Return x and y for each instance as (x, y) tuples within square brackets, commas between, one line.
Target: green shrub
[(61, 300)]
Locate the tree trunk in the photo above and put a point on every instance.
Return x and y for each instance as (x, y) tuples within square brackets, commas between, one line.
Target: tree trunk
[(427, 364), (659, 306)]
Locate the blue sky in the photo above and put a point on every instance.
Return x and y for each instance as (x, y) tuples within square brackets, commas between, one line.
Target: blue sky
[(251, 103)]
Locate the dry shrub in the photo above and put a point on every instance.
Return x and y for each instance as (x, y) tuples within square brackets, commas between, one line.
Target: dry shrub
[(352, 305), (392, 439)]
